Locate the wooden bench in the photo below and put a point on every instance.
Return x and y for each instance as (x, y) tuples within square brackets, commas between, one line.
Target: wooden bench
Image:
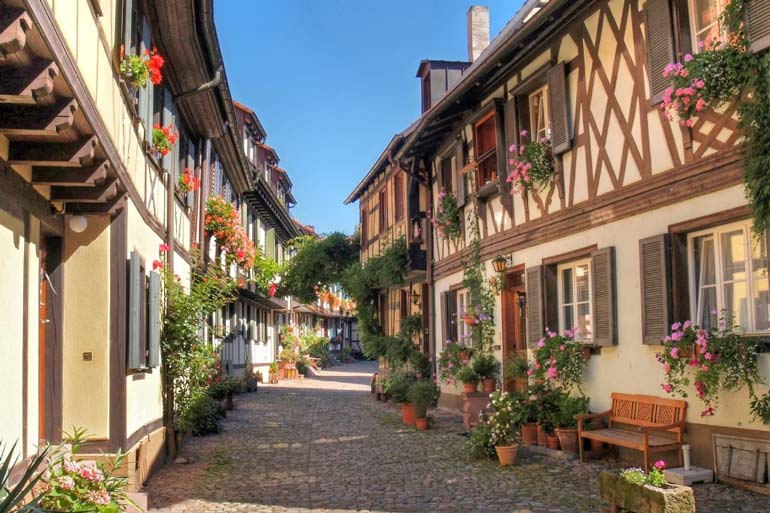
[(642, 422)]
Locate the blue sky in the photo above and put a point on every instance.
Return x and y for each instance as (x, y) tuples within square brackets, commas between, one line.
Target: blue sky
[(333, 80)]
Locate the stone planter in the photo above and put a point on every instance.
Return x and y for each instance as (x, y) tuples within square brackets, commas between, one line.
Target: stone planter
[(634, 498)]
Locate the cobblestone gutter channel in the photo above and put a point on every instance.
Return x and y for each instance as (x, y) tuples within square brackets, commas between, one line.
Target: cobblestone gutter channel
[(323, 445)]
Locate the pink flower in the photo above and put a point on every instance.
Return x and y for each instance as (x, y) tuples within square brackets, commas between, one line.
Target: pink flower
[(71, 466), (569, 333), (157, 264), (92, 474), (541, 342), (529, 372), (163, 248), (66, 483), (99, 497), (660, 464), (675, 353), (553, 373), (708, 356), (675, 326), (667, 368), (686, 325), (668, 388), (687, 57), (524, 133), (562, 347)]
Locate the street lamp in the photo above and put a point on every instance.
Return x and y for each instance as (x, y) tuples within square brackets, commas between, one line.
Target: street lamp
[(499, 263), (415, 298)]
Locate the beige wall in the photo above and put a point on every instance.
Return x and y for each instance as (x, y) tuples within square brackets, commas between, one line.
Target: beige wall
[(86, 292)]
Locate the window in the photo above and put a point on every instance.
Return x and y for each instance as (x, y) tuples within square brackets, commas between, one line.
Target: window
[(704, 18), (539, 116), (574, 298), (728, 278), (463, 330), (486, 150), (398, 192), (446, 174), (383, 209), (364, 227)]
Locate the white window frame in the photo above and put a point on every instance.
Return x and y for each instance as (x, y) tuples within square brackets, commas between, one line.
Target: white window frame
[(534, 115), (716, 234), (463, 330), (720, 4), (560, 296)]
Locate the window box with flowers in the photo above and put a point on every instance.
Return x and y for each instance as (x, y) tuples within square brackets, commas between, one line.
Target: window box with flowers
[(163, 139), (188, 182), (222, 222), (136, 70), (532, 165), (447, 219)]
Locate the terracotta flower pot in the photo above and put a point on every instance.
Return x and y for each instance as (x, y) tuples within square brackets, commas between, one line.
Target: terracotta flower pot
[(597, 445), (542, 438), (469, 388), (408, 413), (488, 385), (553, 442), (469, 320), (529, 433), (464, 355), (506, 455), (422, 424), (568, 438)]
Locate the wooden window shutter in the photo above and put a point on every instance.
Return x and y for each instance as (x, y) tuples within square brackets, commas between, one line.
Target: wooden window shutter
[(660, 45), (444, 317), (603, 290), (135, 278), (758, 24), (128, 19), (557, 91), (459, 164), (146, 94), (653, 266), (154, 320), (501, 125), (680, 281), (534, 286), (452, 315), (551, 296)]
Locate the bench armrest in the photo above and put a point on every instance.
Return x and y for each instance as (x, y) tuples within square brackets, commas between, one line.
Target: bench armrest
[(586, 416), (665, 427)]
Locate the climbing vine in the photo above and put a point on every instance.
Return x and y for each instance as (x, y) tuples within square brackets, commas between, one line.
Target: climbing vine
[(720, 72)]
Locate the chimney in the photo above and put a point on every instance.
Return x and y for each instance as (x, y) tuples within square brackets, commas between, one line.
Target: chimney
[(478, 31)]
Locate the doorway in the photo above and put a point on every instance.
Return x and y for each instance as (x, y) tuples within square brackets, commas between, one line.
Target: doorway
[(49, 340), (514, 327)]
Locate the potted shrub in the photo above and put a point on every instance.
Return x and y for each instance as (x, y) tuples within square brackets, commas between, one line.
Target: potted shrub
[(504, 427), (273, 373), (636, 490), (397, 387), (566, 429), (469, 379), (479, 444), (421, 393), (526, 414), (487, 368), (547, 410), (226, 389)]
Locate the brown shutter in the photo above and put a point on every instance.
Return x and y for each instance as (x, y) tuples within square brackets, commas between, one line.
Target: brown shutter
[(551, 297), (534, 285), (452, 315), (444, 318), (660, 45), (459, 164), (758, 24), (653, 265), (680, 280), (603, 285), (501, 124), (557, 91)]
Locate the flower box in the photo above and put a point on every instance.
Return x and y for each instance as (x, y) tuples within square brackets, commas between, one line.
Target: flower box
[(642, 498)]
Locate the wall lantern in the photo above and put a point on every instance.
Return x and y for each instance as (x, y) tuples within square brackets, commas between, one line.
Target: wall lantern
[(78, 224), (500, 263), (415, 298)]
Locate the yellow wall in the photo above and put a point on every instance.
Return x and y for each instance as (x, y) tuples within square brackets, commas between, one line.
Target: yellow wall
[(86, 292)]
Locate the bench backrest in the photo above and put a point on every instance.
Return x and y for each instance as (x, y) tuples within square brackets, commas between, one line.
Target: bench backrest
[(646, 410)]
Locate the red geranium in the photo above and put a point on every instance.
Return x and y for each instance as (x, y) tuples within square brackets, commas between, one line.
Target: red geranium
[(188, 182)]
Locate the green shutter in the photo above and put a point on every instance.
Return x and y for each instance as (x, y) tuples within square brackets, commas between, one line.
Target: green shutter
[(154, 319), (270, 243), (135, 357)]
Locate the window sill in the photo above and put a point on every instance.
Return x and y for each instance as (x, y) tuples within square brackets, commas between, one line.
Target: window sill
[(488, 190)]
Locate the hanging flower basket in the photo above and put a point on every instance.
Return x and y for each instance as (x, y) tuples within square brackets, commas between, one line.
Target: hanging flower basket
[(188, 182), (532, 165), (137, 69), (163, 139)]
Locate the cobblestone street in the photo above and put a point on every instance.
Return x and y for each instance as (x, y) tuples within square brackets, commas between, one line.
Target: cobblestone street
[(324, 445)]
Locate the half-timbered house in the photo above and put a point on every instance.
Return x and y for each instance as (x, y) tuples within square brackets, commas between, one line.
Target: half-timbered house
[(644, 223)]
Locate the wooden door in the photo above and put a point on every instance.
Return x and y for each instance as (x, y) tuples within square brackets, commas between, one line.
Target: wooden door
[(514, 322)]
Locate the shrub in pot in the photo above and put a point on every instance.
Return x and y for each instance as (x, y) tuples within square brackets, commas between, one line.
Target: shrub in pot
[(273, 374), (504, 427), (547, 407), (469, 379), (526, 418), (566, 429), (422, 394), (487, 368), (479, 444), (397, 387)]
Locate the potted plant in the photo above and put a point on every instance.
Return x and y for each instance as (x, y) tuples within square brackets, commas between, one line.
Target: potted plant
[(487, 367), (636, 490), (421, 393), (273, 373), (397, 387), (226, 390), (526, 417), (469, 379), (470, 316), (566, 429), (137, 69), (163, 139), (504, 427), (547, 411)]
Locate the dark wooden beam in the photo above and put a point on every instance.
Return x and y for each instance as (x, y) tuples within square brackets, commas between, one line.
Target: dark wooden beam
[(29, 120), (111, 207), (77, 154), (70, 176), (29, 84), (90, 194), (18, 194)]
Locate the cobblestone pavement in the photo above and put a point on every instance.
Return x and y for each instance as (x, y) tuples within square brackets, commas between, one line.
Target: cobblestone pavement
[(324, 445)]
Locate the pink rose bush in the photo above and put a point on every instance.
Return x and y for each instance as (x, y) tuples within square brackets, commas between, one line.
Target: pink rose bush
[(558, 360), (70, 485), (531, 165), (446, 219)]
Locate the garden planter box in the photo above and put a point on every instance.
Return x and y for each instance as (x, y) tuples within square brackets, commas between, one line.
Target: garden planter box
[(634, 498)]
